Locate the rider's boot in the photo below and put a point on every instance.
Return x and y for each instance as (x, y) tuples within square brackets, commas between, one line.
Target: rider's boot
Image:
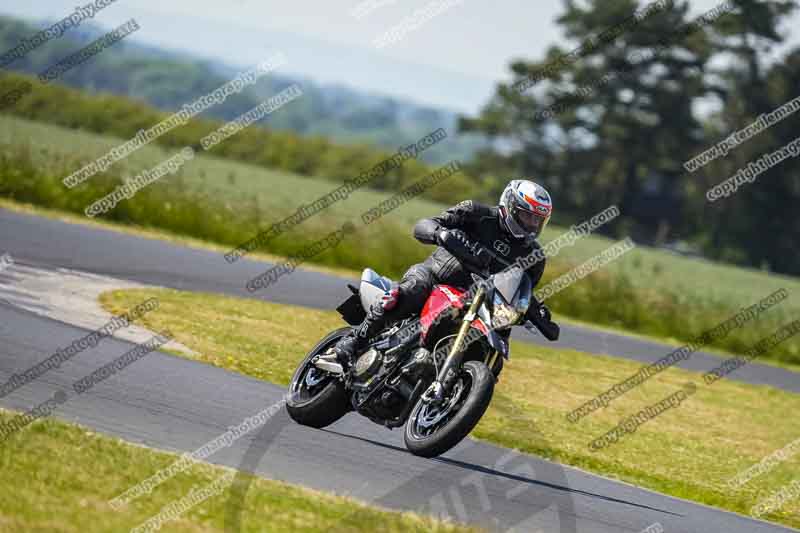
[(351, 344), (346, 350)]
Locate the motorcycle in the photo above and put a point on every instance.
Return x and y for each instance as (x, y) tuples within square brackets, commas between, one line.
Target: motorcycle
[(434, 373)]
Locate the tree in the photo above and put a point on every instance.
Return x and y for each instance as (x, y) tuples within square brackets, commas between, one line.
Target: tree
[(614, 120), (756, 224), (606, 127)]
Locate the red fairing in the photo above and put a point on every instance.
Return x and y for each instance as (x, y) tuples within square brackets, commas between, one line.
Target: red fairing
[(480, 326), (441, 300)]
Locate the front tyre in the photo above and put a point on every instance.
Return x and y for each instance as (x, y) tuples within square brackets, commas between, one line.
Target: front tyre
[(317, 398), (432, 429)]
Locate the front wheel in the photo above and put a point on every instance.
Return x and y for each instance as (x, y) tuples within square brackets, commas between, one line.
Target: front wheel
[(434, 428), (317, 398)]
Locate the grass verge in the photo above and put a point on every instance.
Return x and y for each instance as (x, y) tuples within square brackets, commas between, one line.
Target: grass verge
[(64, 475), (689, 452)]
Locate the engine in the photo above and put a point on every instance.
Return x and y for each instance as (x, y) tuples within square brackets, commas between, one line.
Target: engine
[(367, 366), (369, 372), (382, 387), (383, 357)]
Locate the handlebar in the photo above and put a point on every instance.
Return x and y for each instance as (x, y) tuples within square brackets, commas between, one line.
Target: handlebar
[(545, 325)]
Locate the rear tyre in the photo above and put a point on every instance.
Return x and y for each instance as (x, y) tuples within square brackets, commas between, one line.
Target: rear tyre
[(433, 429), (317, 398)]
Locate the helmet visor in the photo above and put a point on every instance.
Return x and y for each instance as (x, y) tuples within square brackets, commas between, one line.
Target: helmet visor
[(528, 221)]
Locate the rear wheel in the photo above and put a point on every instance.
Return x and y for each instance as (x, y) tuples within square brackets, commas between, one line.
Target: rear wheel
[(434, 428), (317, 398)]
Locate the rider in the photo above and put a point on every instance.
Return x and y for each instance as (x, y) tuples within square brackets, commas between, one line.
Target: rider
[(504, 233)]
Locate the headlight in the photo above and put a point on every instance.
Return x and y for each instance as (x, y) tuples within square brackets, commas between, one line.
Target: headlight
[(503, 315)]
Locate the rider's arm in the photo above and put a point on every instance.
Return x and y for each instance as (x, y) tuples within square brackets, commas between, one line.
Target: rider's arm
[(456, 217), (536, 270), (538, 313)]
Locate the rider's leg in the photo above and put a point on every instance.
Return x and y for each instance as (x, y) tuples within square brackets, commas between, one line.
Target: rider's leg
[(410, 297)]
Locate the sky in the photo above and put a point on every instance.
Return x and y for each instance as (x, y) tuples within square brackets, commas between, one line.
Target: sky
[(451, 60)]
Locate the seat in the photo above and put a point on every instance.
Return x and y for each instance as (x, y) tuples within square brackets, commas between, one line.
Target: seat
[(372, 288)]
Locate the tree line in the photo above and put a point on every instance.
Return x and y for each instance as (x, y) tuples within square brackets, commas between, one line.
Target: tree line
[(620, 122)]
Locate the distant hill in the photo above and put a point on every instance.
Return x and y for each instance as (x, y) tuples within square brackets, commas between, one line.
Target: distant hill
[(167, 80)]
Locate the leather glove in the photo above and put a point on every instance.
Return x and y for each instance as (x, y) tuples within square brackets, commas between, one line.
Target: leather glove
[(445, 236), (542, 319), (544, 313)]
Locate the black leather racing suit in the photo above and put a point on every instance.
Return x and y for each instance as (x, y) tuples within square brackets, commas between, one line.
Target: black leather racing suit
[(482, 224)]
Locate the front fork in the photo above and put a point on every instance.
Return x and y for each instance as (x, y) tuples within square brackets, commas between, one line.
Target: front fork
[(444, 381)]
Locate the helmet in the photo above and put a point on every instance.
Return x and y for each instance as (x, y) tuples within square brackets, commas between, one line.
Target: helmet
[(525, 209)]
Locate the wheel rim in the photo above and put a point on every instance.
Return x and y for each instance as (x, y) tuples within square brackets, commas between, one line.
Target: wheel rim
[(430, 417)]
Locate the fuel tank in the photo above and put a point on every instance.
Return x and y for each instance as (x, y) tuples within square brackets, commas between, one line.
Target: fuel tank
[(444, 302)]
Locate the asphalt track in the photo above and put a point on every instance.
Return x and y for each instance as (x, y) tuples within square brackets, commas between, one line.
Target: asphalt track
[(45, 242), (177, 404)]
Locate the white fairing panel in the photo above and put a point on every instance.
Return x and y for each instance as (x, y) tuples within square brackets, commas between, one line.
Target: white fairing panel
[(372, 288)]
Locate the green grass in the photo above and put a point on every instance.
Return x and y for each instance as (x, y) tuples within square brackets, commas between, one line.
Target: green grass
[(688, 452), (647, 291), (266, 147), (63, 477), (275, 192)]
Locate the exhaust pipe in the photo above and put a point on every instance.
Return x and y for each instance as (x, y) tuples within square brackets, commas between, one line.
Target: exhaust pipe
[(328, 363)]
